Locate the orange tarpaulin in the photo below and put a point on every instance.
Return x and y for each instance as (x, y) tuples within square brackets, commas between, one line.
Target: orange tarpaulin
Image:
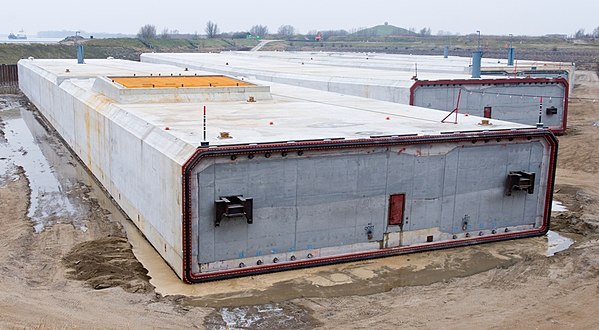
[(178, 81)]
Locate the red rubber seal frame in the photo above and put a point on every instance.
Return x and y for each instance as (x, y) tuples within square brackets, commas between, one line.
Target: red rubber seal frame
[(454, 82), (203, 152)]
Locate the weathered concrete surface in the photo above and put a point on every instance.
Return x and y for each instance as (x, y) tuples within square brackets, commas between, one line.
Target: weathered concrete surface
[(403, 79), (145, 153)]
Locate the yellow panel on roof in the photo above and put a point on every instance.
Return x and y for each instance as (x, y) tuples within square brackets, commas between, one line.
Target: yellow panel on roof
[(178, 81)]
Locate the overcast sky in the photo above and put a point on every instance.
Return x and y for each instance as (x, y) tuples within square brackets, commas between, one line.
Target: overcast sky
[(490, 17)]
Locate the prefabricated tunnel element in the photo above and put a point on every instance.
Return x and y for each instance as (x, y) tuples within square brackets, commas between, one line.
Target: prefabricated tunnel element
[(303, 177)]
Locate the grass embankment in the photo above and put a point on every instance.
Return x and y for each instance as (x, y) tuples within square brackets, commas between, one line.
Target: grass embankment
[(585, 53), (434, 42), (122, 48)]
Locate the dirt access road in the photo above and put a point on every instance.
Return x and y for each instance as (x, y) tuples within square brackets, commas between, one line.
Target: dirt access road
[(66, 261)]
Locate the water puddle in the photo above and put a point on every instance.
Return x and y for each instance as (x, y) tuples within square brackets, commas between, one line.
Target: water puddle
[(557, 243), (61, 188), (238, 318), (269, 316), (557, 206), (20, 147)]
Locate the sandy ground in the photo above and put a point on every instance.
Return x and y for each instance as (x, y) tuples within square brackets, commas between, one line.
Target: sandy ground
[(65, 261)]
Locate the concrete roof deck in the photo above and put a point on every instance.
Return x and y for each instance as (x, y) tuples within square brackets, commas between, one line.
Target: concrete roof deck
[(327, 66), (427, 62), (67, 68), (233, 62), (293, 113)]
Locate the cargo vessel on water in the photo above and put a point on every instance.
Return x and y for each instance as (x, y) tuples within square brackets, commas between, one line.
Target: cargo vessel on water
[(19, 36)]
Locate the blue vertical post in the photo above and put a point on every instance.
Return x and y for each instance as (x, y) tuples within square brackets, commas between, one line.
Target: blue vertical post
[(80, 54), (476, 63), (511, 52), (446, 52), (510, 56)]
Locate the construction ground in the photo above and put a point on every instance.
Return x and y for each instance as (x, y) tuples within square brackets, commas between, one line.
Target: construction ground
[(70, 259)]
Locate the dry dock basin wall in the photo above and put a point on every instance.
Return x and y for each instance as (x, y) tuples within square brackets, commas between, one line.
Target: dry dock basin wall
[(330, 179)]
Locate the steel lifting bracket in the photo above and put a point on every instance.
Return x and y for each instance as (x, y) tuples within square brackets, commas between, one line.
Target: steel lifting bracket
[(551, 111), (520, 180), (233, 207)]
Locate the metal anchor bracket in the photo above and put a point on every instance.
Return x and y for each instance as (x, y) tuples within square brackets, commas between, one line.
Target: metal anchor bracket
[(233, 207), (520, 180)]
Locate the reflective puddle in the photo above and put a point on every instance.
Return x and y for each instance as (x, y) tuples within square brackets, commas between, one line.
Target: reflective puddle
[(19, 147), (269, 316), (557, 206), (557, 243)]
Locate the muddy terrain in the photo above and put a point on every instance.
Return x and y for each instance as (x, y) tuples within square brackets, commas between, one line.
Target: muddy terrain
[(70, 259)]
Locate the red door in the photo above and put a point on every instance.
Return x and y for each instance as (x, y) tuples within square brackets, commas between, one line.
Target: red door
[(396, 209)]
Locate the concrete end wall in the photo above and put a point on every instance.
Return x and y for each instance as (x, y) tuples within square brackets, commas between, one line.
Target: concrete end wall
[(518, 102), (333, 202)]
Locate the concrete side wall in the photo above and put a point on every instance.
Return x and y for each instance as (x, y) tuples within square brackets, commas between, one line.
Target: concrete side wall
[(139, 165), (394, 91), (517, 103), (325, 202)]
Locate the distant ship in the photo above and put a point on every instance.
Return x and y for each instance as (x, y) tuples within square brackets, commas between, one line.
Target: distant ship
[(21, 35)]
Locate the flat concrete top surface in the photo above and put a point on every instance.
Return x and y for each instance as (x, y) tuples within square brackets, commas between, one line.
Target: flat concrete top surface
[(432, 63), (248, 64), (293, 114), (349, 66), (68, 68)]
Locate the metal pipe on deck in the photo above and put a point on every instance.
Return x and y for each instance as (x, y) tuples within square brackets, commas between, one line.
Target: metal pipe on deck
[(511, 53), (80, 52), (476, 63), (477, 58)]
